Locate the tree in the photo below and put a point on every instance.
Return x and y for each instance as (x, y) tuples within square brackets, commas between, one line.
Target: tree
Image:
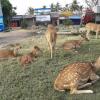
[(30, 11), (8, 11), (91, 3), (52, 7), (74, 6), (44, 6), (55, 7)]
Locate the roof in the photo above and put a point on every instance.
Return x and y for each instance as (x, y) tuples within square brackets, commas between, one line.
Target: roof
[(42, 9), (28, 16), (18, 17), (75, 17)]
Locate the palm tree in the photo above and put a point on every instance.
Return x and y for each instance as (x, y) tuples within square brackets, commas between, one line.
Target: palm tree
[(52, 7), (74, 6), (57, 6), (91, 3), (30, 11)]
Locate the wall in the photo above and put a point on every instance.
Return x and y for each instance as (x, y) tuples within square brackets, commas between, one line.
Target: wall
[(1, 19)]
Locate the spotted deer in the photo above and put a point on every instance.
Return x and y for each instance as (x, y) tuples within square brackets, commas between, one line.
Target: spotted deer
[(5, 53), (28, 58), (51, 36), (92, 27), (76, 76), (70, 45)]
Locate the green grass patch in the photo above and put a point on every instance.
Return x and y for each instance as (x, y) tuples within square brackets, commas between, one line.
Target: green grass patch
[(36, 81)]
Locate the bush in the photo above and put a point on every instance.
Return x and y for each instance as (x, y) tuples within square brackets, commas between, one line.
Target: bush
[(68, 22), (24, 24)]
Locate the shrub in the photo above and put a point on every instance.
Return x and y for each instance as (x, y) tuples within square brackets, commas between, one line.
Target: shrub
[(68, 22)]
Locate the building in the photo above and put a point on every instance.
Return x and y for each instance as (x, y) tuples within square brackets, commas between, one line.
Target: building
[(17, 20), (42, 15), (1, 19)]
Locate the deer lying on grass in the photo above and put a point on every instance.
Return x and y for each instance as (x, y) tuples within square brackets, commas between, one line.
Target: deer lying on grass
[(70, 45), (6, 53), (76, 76), (51, 36), (92, 27), (28, 58)]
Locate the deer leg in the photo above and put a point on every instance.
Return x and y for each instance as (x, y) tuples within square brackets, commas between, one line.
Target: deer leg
[(94, 78), (85, 85), (48, 46), (97, 34), (88, 34), (51, 50), (51, 53), (80, 91), (74, 90)]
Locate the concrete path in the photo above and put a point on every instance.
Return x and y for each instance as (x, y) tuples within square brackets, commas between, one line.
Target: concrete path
[(13, 36)]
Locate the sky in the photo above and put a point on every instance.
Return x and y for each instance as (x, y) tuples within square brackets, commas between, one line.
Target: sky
[(23, 5)]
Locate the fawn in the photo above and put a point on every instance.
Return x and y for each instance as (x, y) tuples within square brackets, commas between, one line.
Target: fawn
[(92, 27), (73, 44), (28, 58), (5, 53), (76, 76), (51, 36)]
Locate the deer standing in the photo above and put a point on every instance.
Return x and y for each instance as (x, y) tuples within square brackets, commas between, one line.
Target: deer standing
[(92, 27), (51, 36)]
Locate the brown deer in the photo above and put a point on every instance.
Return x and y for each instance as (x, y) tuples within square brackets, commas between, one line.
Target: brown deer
[(28, 58), (70, 45), (92, 27), (76, 76), (51, 36), (5, 53)]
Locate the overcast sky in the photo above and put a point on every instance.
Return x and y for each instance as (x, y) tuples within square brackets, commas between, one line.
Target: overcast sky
[(23, 5)]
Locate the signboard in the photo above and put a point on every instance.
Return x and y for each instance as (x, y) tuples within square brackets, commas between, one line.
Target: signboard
[(43, 18), (39, 11)]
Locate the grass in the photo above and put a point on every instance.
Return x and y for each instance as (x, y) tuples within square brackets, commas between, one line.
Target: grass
[(36, 81)]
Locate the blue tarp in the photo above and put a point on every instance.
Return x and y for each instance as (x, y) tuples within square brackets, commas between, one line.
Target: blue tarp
[(75, 19)]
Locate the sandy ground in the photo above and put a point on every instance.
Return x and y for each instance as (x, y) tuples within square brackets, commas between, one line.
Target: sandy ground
[(13, 36)]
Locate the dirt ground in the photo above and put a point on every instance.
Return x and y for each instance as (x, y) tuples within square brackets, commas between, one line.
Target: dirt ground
[(13, 36)]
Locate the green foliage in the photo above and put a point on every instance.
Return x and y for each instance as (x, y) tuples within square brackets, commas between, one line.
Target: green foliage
[(55, 7), (74, 6), (68, 22), (30, 11), (24, 24), (8, 11)]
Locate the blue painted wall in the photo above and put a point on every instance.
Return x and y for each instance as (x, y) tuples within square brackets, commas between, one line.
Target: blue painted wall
[(1, 19), (1, 24)]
